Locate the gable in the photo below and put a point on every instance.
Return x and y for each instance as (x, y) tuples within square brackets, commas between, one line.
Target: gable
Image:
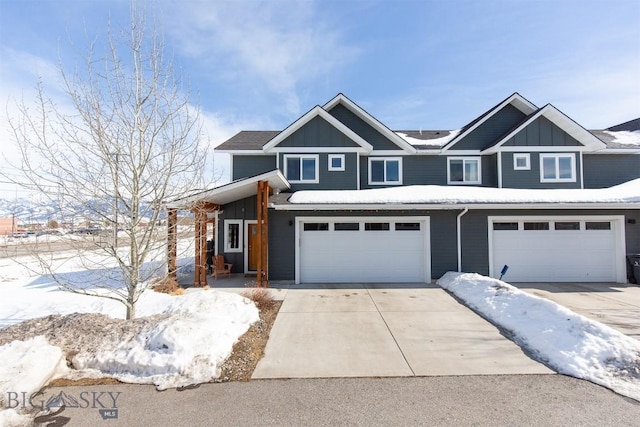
[(317, 132), (362, 128), (542, 132), (489, 132)]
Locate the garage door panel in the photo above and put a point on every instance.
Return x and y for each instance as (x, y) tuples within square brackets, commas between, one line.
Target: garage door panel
[(555, 255)]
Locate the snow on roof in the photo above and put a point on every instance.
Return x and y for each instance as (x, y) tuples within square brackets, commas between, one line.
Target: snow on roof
[(433, 141), (628, 192), (625, 137)]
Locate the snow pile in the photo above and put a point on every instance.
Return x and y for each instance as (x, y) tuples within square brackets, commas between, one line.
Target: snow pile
[(628, 192), (187, 347), (625, 137), (440, 142), (567, 342)]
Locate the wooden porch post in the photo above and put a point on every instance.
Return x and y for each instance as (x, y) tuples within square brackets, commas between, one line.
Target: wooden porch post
[(200, 225), (264, 191), (172, 242)]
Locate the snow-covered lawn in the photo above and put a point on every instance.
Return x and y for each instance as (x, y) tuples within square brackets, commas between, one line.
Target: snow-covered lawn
[(184, 343), (567, 342)]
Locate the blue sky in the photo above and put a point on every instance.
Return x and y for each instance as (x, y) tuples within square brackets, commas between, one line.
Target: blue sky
[(412, 64)]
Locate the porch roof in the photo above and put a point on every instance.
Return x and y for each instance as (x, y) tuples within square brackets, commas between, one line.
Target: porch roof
[(233, 191)]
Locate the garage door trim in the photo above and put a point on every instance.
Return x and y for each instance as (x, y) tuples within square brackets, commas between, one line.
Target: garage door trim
[(425, 220), (617, 224)]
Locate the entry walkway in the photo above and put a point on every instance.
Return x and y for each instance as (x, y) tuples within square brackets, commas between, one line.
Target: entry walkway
[(384, 331)]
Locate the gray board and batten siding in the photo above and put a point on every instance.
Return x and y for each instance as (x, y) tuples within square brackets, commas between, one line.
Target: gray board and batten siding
[(489, 132), (362, 128), (542, 132), (317, 133), (244, 209), (606, 170)]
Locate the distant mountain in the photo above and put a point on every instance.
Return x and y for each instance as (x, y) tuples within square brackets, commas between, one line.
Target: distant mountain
[(34, 211)]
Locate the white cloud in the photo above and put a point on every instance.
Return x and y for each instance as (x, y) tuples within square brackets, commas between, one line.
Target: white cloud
[(277, 46)]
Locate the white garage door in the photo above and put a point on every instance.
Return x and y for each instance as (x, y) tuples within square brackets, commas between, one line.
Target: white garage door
[(348, 250), (557, 250)]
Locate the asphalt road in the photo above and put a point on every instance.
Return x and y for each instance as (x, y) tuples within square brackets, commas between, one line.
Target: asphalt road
[(513, 400)]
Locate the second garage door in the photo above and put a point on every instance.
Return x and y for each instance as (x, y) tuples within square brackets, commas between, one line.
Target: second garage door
[(349, 250), (542, 249)]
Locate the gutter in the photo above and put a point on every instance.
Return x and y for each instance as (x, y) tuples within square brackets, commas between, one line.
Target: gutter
[(459, 236)]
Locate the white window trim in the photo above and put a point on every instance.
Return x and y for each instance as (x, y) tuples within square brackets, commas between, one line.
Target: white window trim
[(315, 157), (527, 160), (336, 156), (227, 223), (557, 156), (463, 182), (386, 159)]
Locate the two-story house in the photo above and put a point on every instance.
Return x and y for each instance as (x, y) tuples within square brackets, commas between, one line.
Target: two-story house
[(346, 199)]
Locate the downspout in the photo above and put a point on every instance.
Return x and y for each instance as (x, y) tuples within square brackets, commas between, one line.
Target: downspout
[(459, 235)]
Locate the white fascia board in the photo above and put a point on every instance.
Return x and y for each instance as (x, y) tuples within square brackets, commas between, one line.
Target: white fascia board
[(617, 151), (370, 120), (462, 153), (587, 139), (387, 153), (539, 149), (475, 206), (516, 100), (315, 112)]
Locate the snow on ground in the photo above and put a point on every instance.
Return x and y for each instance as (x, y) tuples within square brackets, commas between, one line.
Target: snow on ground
[(628, 192), (194, 335), (567, 342), (625, 137)]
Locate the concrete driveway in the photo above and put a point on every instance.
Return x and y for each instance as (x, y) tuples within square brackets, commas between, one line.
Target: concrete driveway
[(616, 305), (384, 331)]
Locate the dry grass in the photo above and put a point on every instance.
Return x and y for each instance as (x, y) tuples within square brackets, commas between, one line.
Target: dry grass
[(261, 296), (168, 285)]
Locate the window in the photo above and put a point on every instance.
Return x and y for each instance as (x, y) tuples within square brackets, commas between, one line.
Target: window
[(501, 226), (558, 167), (521, 162), (600, 225), (385, 170), (536, 225), (376, 226), (568, 225), (347, 226), (407, 226), (464, 170), (336, 162), (302, 169), (316, 226), (233, 235)]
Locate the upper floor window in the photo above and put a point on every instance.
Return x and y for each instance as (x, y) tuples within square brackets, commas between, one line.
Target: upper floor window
[(385, 170), (336, 162), (301, 168), (557, 167), (521, 161), (464, 170)]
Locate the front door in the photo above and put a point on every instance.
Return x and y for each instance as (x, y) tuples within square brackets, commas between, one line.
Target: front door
[(252, 247)]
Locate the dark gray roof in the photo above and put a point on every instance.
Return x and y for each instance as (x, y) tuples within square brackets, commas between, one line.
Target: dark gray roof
[(248, 140), (607, 138), (631, 125)]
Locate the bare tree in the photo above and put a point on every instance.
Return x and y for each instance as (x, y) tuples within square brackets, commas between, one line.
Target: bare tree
[(127, 139)]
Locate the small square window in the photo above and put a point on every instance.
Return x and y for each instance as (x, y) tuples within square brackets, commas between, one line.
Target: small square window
[(336, 162), (521, 162)]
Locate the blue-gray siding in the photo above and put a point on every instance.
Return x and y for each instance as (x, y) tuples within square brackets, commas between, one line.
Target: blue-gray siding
[(244, 209), (605, 170), (246, 166), (317, 133), (359, 126), (542, 132), (489, 132), (531, 178), (330, 180)]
